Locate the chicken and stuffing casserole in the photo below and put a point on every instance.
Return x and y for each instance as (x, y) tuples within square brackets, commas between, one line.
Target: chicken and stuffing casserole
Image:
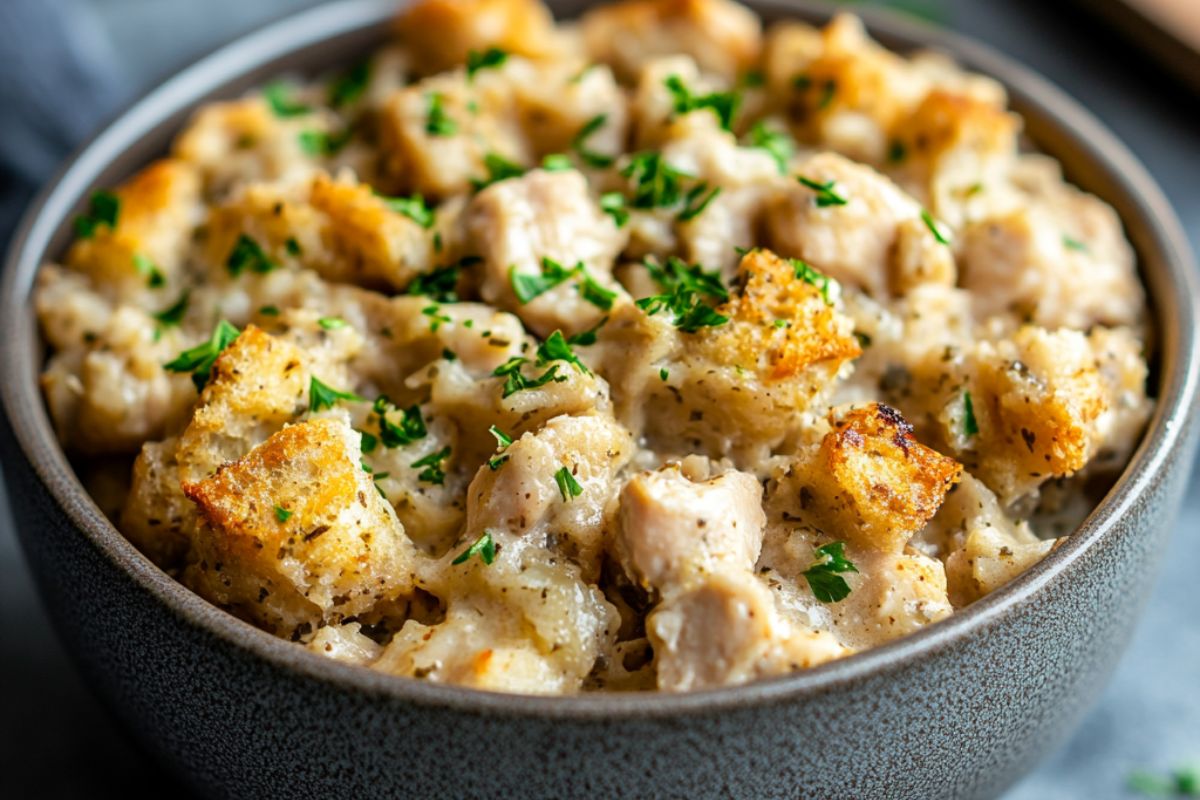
[(650, 350)]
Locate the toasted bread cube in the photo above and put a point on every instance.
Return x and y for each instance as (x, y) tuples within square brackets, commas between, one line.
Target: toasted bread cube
[(158, 208), (875, 484), (157, 517), (294, 533), (441, 33), (258, 384), (724, 38)]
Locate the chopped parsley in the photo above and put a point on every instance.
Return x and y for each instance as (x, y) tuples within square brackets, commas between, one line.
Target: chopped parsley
[(441, 284), (292, 247), (826, 285), (322, 395), (410, 429), (415, 208), (484, 547), (828, 89), (173, 314), (247, 254), (656, 183), (970, 424), (777, 144), (752, 79), (503, 440), (826, 195), (369, 441), (935, 227), (515, 381), (528, 287), (103, 209), (145, 266), (332, 323), (279, 97), (556, 162), (579, 143), (1073, 244), (269, 311), (696, 201), (823, 576), (556, 348), (437, 123), (723, 104), (489, 59), (449, 355), (568, 487), (499, 169), (684, 287), (663, 374), (432, 463), (436, 317), (282, 514), (323, 143), (897, 152), (588, 337), (199, 360), (350, 86), (613, 204)]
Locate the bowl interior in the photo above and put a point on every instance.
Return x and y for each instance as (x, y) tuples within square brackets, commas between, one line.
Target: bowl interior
[(339, 33)]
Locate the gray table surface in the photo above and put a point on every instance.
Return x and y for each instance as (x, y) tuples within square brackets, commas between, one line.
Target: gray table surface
[(56, 742)]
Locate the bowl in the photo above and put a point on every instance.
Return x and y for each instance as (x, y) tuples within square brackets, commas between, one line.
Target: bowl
[(960, 709)]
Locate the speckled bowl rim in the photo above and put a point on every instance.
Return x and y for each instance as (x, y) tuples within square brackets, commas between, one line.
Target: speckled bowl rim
[(1173, 285)]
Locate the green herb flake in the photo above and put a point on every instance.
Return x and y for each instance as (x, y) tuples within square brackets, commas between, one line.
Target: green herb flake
[(528, 287), (824, 576), (323, 143), (579, 143), (752, 79), (1182, 782), (410, 428), (199, 360), (432, 463), (293, 247), (348, 87), (321, 395), (897, 152), (970, 424), (269, 311), (663, 374), (279, 97), (568, 487), (515, 381), (332, 323), (613, 204), (499, 169), (441, 284), (484, 547), (247, 254), (436, 318), (282, 514), (414, 207), (437, 122), (147, 268), (777, 144), (1074, 244), (864, 339), (696, 201), (656, 183), (828, 90), (491, 58), (103, 209), (557, 162), (723, 104), (449, 355), (174, 313), (935, 228), (827, 286), (503, 440), (556, 348), (684, 286), (369, 441), (826, 194), (588, 337)]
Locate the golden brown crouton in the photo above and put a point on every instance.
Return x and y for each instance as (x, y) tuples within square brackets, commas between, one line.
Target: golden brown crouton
[(723, 37), (257, 384), (294, 533), (157, 517), (441, 33), (873, 482), (156, 211)]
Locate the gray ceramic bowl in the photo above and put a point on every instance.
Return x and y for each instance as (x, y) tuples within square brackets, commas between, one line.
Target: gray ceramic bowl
[(959, 710)]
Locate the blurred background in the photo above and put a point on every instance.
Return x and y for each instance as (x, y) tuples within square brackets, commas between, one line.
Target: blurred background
[(68, 65)]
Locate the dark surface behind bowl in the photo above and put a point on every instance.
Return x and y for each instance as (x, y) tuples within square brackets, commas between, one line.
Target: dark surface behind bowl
[(898, 720)]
